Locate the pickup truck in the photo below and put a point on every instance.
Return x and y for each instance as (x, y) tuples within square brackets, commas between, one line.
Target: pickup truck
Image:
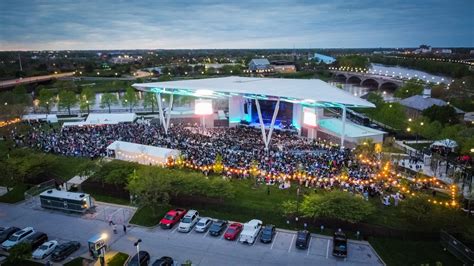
[(171, 218), (250, 232)]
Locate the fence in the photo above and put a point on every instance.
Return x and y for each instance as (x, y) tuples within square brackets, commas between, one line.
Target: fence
[(458, 249), (37, 189)]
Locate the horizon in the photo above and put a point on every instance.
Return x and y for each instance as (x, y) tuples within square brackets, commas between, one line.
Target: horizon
[(211, 25)]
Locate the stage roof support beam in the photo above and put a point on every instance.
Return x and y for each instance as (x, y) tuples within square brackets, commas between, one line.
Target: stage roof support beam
[(165, 122), (343, 132), (267, 138)]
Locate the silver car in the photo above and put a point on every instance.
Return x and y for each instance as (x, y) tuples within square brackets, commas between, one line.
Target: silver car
[(203, 225)]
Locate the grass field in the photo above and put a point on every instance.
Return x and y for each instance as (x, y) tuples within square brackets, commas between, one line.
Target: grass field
[(15, 195), (396, 252), (118, 260)]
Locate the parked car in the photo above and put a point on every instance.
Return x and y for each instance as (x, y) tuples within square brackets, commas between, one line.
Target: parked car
[(302, 239), (7, 232), (339, 246), (64, 250), (268, 233), (17, 237), (36, 239), (233, 231), (217, 227), (250, 232), (143, 256), (164, 261), (203, 224), (188, 221), (171, 218), (45, 250)]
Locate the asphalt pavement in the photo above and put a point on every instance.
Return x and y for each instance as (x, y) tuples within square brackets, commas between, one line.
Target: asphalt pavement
[(200, 248)]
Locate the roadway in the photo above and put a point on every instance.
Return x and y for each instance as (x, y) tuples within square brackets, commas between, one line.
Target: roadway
[(200, 248), (27, 80)]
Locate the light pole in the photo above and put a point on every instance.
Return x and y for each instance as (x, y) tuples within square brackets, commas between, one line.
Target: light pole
[(137, 244), (87, 103)]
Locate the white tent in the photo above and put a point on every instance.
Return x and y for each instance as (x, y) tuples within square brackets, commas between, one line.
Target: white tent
[(103, 119), (143, 154), (40, 117)]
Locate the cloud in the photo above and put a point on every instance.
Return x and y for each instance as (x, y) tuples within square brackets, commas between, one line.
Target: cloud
[(110, 24)]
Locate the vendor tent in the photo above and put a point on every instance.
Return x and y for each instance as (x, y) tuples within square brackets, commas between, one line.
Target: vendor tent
[(104, 119), (143, 154)]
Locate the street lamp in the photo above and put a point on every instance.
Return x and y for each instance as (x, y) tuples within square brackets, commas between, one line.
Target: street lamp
[(137, 244), (87, 103)]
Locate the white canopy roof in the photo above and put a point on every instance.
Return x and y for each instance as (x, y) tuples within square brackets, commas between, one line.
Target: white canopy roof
[(448, 143), (305, 91), (144, 154)]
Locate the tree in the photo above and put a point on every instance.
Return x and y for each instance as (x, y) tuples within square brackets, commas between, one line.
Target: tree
[(417, 208), (150, 189), (444, 114), (108, 99), (353, 61), (218, 166), (130, 98), (86, 99), (19, 253), (336, 205), (219, 188), (289, 207), (149, 100), (67, 99), (46, 99), (409, 89)]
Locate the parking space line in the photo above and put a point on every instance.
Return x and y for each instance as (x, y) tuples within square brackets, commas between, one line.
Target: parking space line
[(291, 243), (174, 230), (309, 246), (327, 250), (222, 237), (274, 240), (205, 234)]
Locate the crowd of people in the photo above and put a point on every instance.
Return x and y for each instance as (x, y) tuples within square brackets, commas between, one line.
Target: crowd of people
[(240, 147)]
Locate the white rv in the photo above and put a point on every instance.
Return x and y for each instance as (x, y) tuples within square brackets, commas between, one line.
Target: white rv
[(250, 232)]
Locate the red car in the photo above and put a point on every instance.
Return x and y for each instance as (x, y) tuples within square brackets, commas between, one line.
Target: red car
[(233, 231), (171, 218)]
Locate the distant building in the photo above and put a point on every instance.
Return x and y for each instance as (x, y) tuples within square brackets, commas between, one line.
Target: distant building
[(260, 65), (324, 58), (416, 104), (423, 49), (124, 59), (283, 66), (443, 51)]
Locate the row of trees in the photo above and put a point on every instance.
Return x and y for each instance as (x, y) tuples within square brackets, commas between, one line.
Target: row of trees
[(67, 99), (330, 204), (156, 186), (445, 68)]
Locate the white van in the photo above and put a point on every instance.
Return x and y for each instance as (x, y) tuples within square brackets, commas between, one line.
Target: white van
[(17, 238), (250, 232)]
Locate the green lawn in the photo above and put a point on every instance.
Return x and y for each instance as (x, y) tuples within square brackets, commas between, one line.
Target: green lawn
[(147, 217), (106, 198), (118, 260), (396, 252), (15, 195)]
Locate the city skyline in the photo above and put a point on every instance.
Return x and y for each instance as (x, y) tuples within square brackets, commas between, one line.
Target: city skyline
[(81, 25)]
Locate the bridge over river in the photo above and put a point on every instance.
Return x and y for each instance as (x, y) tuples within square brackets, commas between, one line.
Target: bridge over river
[(373, 81)]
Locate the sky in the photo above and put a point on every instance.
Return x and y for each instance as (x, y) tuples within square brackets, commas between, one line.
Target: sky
[(202, 24)]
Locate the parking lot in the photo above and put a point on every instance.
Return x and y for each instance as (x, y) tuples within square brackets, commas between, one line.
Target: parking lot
[(200, 248)]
